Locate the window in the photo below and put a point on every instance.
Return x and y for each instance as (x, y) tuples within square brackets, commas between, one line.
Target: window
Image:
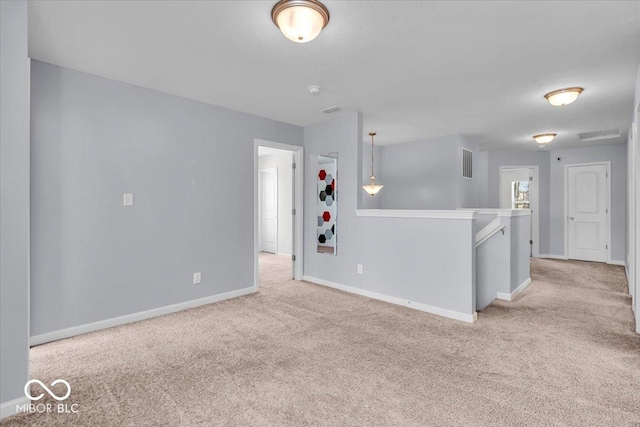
[(520, 195)]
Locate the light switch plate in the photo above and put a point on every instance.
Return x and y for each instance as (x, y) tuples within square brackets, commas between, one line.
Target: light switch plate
[(127, 199)]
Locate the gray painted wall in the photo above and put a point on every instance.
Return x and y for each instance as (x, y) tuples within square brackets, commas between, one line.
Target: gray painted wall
[(94, 139), (520, 233), (492, 269), (503, 262), (522, 158), (633, 182), (430, 261), (283, 163), (615, 153), (14, 200), (396, 257), (552, 189), (339, 135), (427, 175), (482, 174)]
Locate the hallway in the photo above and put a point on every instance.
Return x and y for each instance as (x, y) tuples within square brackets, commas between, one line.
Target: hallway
[(563, 353)]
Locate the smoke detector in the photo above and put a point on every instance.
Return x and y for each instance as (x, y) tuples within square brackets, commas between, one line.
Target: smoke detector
[(314, 90)]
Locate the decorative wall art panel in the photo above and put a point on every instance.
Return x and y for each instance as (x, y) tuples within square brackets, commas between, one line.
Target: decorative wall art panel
[(327, 205)]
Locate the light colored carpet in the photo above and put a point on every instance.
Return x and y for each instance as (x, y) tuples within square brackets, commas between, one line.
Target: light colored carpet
[(563, 353)]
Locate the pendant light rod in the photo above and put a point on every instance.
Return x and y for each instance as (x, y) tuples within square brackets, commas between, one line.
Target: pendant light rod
[(372, 188), (372, 134)]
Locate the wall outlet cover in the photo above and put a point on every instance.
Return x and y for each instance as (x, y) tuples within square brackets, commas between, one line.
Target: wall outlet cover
[(197, 278), (359, 268), (127, 199)]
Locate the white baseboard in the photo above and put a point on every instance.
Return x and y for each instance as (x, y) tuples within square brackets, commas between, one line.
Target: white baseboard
[(552, 256), (9, 408), (512, 295), (134, 317), (469, 318)]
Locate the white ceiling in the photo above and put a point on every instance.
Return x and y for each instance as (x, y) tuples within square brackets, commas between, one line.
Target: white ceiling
[(415, 69)]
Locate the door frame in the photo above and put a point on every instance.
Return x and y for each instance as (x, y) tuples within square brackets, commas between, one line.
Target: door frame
[(260, 182), (535, 200), (298, 205), (607, 186)]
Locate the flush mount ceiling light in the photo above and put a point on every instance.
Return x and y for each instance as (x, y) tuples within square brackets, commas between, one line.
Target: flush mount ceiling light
[(300, 20), (544, 138), (372, 188), (561, 97)]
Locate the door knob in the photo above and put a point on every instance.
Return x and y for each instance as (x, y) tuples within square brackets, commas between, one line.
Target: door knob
[(571, 218)]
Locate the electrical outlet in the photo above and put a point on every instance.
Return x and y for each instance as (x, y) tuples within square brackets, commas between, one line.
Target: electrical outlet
[(288, 243), (197, 278), (359, 268), (127, 199)]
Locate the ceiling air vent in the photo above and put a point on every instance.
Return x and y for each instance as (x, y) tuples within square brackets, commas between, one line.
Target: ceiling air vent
[(331, 109), (598, 135), (467, 163)]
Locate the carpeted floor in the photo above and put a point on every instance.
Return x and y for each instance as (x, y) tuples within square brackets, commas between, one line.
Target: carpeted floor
[(563, 353)]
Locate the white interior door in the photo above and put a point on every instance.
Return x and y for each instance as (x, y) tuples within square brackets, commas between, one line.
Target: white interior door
[(587, 212), (508, 180), (518, 191), (268, 217)]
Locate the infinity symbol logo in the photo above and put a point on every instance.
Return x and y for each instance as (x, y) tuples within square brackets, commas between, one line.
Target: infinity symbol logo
[(52, 394)]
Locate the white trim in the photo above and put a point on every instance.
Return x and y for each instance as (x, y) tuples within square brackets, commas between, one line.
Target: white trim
[(616, 262), (397, 213), (469, 318), (566, 205), (535, 201), (500, 212), (135, 317), (552, 256), (297, 247), (512, 295), (10, 408)]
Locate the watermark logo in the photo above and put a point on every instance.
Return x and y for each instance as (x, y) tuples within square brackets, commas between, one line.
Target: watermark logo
[(60, 408), (51, 393)]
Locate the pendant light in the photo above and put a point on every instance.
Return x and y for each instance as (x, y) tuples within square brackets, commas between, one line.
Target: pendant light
[(300, 20), (372, 188)]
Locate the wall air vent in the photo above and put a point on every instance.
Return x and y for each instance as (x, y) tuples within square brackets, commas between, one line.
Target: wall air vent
[(467, 163), (331, 109), (598, 135)]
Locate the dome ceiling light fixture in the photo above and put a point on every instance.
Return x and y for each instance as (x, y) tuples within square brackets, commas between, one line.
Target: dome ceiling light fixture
[(562, 97), (372, 188), (544, 138), (300, 20)]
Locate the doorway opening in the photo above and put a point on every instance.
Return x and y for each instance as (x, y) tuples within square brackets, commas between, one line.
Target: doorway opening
[(278, 184), (519, 189), (588, 211)]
